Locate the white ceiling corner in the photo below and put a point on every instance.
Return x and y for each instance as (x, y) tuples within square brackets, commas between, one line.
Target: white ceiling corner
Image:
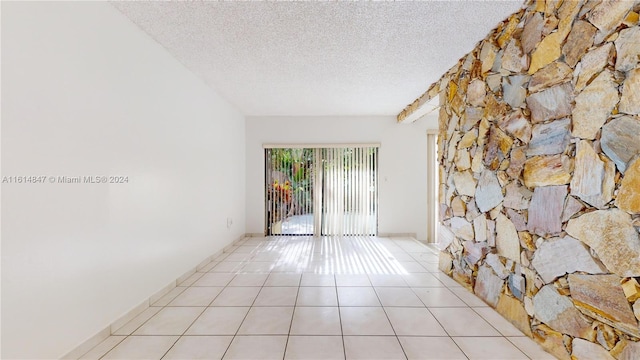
[(318, 58)]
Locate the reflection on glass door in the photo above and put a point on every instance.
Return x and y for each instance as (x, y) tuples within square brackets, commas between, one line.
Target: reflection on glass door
[(321, 191)]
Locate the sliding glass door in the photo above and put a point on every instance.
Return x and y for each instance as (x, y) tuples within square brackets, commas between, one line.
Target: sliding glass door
[(321, 191)]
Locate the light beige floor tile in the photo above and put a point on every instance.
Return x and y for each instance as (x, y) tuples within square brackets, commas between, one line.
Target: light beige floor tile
[(373, 348), (248, 280), (214, 279), (237, 296), (283, 280), (387, 280), (425, 257), (193, 278), (497, 321), (431, 267), (314, 348), (411, 267), (446, 280), (438, 297), (197, 296), (168, 297), (357, 296), (317, 296), (267, 321), (530, 348), (431, 348), (245, 249), (316, 321), (207, 267), (398, 296), (199, 347), (228, 266), (219, 321), (309, 279), (170, 321), (258, 267), (469, 298), (277, 296), (99, 350), (489, 348), (352, 280), (131, 326), (463, 322), (365, 321), (422, 280), (238, 257), (142, 347), (414, 322), (256, 348)]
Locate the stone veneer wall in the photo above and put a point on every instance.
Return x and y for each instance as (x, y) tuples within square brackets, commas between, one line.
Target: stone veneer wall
[(539, 154)]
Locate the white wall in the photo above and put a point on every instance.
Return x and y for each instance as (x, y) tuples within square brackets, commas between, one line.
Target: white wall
[(85, 92), (402, 191)]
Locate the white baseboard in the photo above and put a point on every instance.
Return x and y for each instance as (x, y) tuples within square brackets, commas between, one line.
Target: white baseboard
[(103, 334)]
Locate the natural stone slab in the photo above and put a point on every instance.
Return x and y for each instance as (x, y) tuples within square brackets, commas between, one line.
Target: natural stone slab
[(488, 192), (471, 117), (550, 138), (487, 56), (532, 33), (445, 262), (468, 139), (507, 241), (445, 237), (463, 160), (516, 163), (610, 233), (630, 101), (551, 340), (517, 197), (453, 143), (491, 233), (461, 228), (480, 228), (513, 59), (559, 256), (498, 147), (517, 286), (547, 51), (583, 349), (594, 105), (494, 262), (552, 103), (476, 92), (592, 63), (579, 40), (547, 170), (606, 16), (627, 49), (517, 219), (465, 183), (474, 251), (458, 206), (601, 297), (488, 286), (571, 207), (513, 90), (628, 198), (593, 178), (552, 74), (620, 140), (631, 289), (513, 310), (631, 351), (517, 125), (636, 310), (545, 210), (559, 313)]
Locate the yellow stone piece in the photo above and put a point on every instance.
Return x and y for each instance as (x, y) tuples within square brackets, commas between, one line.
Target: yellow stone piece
[(547, 51), (631, 19), (631, 289), (629, 194), (508, 31)]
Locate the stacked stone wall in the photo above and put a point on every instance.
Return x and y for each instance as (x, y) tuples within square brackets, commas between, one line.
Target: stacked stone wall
[(539, 152)]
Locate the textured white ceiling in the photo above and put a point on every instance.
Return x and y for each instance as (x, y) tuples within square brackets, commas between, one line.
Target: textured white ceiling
[(319, 58)]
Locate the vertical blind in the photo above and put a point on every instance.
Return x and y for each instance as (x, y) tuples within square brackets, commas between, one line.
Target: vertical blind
[(321, 191)]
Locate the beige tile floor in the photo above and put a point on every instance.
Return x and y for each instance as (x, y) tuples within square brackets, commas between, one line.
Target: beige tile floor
[(320, 298)]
